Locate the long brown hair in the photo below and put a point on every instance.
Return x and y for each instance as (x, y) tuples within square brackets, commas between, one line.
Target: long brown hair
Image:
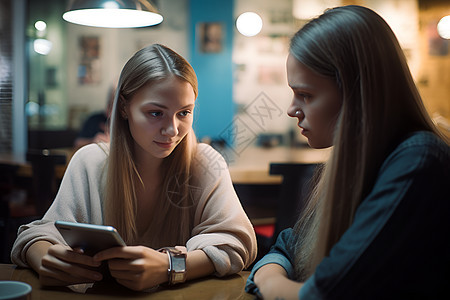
[(150, 64), (381, 104)]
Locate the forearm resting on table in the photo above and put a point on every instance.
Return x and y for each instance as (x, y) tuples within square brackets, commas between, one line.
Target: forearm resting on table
[(198, 265), (273, 283), (36, 252)]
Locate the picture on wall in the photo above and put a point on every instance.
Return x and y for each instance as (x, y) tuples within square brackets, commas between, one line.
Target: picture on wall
[(210, 37), (89, 64)]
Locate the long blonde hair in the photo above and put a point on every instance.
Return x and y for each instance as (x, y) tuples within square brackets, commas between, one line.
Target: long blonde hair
[(381, 104), (174, 214)]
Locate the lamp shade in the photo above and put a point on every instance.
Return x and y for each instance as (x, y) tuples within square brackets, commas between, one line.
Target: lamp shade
[(112, 13)]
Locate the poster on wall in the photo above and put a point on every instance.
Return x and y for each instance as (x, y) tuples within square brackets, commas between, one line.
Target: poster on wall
[(210, 37), (89, 64)]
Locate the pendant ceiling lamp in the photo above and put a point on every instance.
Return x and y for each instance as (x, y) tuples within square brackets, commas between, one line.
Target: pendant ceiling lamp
[(112, 13)]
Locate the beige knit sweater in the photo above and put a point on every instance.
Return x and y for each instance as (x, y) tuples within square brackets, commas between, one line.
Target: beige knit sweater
[(221, 227)]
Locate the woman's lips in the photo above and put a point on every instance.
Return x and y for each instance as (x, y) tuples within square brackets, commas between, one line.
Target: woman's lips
[(164, 145), (303, 130)]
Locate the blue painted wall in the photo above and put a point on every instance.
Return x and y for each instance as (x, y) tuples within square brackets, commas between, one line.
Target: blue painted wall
[(214, 108)]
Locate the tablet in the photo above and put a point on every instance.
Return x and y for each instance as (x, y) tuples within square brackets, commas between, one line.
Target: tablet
[(89, 237)]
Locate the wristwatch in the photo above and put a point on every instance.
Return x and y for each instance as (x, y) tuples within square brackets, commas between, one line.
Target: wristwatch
[(177, 265)]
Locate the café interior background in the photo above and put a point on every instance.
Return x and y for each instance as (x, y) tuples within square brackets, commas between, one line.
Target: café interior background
[(61, 88)]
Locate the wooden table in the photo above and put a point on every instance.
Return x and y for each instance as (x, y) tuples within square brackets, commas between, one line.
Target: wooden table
[(231, 287), (251, 166)]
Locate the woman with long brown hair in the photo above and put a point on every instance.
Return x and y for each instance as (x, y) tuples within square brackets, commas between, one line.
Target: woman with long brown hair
[(376, 225), (154, 183)]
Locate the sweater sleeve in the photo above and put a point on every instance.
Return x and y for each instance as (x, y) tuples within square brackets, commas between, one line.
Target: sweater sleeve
[(222, 229), (78, 200)]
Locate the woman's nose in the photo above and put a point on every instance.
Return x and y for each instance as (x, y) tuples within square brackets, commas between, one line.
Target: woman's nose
[(295, 112), (170, 128)]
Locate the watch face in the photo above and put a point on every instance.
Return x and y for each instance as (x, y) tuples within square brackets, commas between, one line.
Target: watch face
[(178, 264)]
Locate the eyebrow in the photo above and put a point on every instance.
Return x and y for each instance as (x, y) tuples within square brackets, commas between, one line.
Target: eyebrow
[(301, 87), (165, 107)]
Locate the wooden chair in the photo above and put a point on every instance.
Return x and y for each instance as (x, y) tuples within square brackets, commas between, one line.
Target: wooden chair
[(14, 209), (18, 209), (43, 163), (7, 175), (294, 188)]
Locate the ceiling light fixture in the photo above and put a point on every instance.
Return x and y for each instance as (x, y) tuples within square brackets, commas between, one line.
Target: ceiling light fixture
[(113, 13), (42, 46), (443, 27)]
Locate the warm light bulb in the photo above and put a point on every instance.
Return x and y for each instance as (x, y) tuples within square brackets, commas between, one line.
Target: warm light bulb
[(42, 46), (40, 25), (443, 27), (249, 24)]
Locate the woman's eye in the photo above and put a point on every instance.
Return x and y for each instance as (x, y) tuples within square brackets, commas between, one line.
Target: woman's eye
[(185, 113), (304, 97), (155, 113)]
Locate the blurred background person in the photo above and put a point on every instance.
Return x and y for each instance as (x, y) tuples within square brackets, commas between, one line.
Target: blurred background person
[(96, 129)]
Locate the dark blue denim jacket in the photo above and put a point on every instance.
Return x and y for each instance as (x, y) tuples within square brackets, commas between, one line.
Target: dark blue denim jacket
[(398, 246)]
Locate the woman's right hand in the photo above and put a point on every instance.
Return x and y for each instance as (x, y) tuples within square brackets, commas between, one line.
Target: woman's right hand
[(60, 265), (273, 283)]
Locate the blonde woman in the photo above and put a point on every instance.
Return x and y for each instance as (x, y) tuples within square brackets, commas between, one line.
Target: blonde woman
[(153, 182), (377, 224)]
